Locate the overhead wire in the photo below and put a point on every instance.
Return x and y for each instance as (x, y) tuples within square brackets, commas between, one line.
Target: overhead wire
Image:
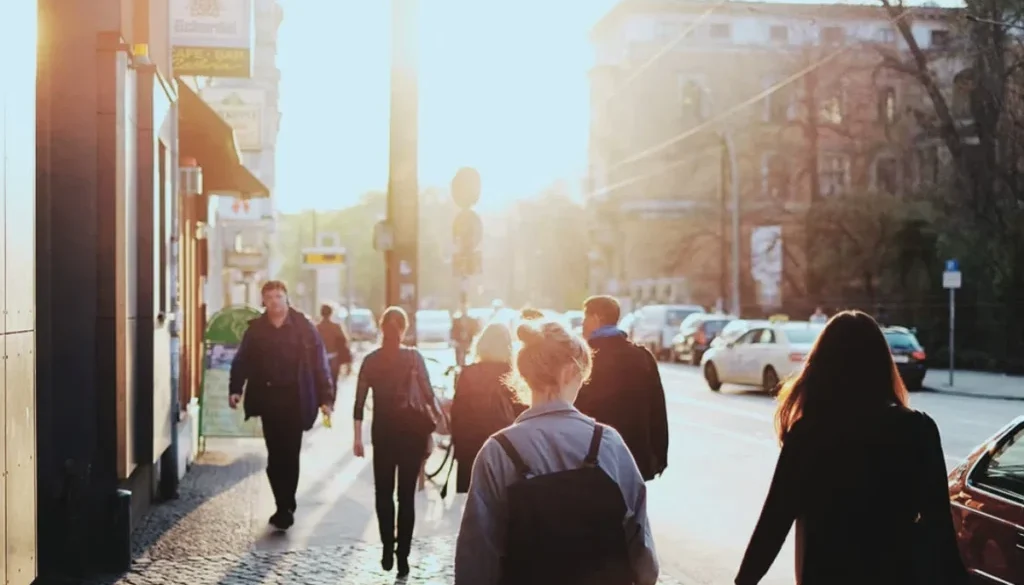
[(720, 117)]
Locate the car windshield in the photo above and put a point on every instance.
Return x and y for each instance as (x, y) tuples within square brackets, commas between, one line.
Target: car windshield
[(803, 334), (675, 317), (714, 327), (361, 320), (901, 340)]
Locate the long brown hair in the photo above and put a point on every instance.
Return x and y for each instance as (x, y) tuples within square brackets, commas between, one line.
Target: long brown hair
[(848, 372)]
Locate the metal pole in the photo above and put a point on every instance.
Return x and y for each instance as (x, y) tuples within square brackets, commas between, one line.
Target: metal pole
[(734, 185), (348, 291), (952, 328), (403, 189)]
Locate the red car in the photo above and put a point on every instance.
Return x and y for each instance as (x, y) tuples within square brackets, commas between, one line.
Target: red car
[(986, 494)]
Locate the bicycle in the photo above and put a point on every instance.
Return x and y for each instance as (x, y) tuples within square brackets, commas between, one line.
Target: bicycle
[(444, 393)]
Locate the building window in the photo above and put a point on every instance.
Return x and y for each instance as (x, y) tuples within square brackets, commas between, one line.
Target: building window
[(887, 175), (691, 100), (939, 38), (775, 177), (928, 165), (833, 35), (833, 174), (779, 34), (887, 106), (963, 86), (778, 106), (833, 105), (885, 36), (721, 31)]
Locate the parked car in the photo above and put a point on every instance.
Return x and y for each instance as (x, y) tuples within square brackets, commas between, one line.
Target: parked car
[(433, 326), (627, 323), (734, 329), (908, 354), (361, 326), (986, 494), (763, 356), (657, 325), (696, 334)]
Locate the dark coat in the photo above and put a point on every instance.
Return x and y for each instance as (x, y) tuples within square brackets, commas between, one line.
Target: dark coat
[(335, 342), (625, 393), (314, 379), (849, 485), (482, 406)]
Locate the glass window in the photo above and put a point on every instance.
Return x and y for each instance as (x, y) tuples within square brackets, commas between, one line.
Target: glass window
[(691, 98), (779, 34), (721, 31), (675, 317), (1004, 470), (900, 340), (834, 174), (750, 336), (887, 105), (939, 38), (714, 327), (776, 177), (887, 175), (767, 336)]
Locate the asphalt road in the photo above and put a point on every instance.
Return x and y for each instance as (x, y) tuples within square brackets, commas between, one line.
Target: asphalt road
[(721, 457)]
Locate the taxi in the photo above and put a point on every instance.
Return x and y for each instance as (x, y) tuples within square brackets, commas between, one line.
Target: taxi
[(767, 353)]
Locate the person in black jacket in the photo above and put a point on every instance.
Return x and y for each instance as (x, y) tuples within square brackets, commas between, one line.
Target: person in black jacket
[(624, 390), (336, 343), (399, 441), (282, 369), (483, 403), (861, 474)]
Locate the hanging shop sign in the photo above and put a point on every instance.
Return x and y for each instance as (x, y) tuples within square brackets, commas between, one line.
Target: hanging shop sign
[(211, 38), (243, 110)]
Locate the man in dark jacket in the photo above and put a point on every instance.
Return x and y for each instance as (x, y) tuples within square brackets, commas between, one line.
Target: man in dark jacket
[(282, 368), (336, 343), (624, 390)]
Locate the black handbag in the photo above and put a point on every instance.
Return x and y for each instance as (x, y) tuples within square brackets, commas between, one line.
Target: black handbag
[(417, 406)]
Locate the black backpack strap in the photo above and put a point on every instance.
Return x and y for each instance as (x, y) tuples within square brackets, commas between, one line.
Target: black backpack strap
[(595, 446), (521, 467)]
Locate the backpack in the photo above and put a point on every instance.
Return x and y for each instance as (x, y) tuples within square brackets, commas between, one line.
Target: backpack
[(565, 528), (416, 405)]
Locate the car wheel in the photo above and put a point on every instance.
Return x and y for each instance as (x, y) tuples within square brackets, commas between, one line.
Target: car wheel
[(711, 375), (695, 357), (770, 381), (914, 384)]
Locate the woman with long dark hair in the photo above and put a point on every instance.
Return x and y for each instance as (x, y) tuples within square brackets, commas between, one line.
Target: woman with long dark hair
[(483, 403), (398, 443), (861, 474)]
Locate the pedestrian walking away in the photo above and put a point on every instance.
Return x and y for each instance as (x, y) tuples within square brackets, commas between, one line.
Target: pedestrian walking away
[(403, 420), (861, 475), (624, 390), (483, 403), (557, 497), (336, 343), (281, 369)]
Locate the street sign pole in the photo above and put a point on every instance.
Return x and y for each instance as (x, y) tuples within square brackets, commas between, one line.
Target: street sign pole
[(952, 279)]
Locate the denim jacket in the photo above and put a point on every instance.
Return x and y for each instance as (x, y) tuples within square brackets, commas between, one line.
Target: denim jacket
[(557, 441)]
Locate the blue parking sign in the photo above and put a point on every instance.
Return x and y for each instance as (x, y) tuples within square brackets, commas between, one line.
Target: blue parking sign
[(952, 265)]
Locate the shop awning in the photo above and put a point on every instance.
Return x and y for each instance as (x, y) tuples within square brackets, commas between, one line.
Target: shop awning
[(206, 137)]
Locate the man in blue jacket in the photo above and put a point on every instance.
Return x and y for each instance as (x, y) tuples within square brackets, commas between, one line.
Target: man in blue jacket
[(282, 369)]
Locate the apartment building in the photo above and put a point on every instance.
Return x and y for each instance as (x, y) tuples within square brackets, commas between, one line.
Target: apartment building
[(795, 97)]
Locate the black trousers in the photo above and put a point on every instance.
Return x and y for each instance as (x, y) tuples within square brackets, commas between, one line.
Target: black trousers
[(400, 455), (282, 432)]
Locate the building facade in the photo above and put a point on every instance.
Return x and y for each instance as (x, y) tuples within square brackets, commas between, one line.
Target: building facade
[(794, 98), (242, 231)]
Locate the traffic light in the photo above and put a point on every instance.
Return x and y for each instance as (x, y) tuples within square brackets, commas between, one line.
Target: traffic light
[(467, 229)]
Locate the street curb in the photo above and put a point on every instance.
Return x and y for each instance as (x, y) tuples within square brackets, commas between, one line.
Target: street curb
[(961, 393)]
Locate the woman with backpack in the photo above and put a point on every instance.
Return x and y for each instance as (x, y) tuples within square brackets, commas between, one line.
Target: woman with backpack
[(556, 498), (861, 474), (483, 403), (399, 432)]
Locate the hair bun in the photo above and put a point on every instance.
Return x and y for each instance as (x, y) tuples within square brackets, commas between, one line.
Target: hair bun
[(529, 334)]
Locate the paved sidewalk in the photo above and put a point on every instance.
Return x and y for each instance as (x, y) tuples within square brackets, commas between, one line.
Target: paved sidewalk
[(976, 384), (216, 532)]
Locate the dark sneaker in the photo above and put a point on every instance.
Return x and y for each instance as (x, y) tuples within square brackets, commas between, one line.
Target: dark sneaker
[(403, 566), (282, 520), (387, 560)]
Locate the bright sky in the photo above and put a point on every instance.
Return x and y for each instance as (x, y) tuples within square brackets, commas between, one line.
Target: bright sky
[(503, 88)]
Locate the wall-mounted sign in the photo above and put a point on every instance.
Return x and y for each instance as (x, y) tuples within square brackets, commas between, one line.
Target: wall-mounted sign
[(211, 38), (242, 109)]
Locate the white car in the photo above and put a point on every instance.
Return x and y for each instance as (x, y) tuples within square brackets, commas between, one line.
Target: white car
[(433, 326), (575, 321), (768, 353), (656, 327)]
